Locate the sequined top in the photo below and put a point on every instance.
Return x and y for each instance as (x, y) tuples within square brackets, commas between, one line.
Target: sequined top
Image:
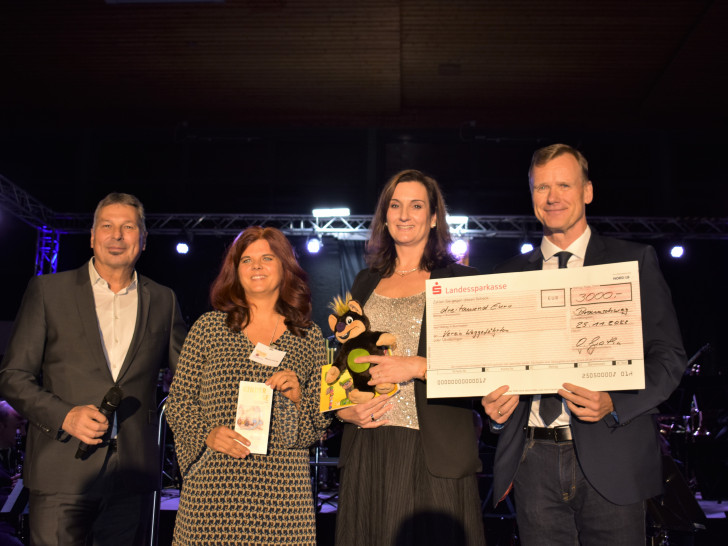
[(408, 313)]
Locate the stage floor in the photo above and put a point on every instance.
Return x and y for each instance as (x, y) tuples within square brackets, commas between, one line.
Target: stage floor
[(500, 526), (713, 509)]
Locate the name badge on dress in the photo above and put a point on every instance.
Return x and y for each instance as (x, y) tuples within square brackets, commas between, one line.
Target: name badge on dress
[(263, 354)]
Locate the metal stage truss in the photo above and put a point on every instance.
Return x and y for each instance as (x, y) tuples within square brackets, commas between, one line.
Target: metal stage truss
[(51, 225)]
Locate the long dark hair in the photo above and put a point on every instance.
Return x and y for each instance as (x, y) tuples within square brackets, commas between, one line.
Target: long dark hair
[(294, 299), (381, 255)]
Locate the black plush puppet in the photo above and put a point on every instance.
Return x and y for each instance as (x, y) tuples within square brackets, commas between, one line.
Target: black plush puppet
[(351, 329)]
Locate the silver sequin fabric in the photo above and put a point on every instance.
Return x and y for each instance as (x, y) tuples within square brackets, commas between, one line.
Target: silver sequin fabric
[(403, 318)]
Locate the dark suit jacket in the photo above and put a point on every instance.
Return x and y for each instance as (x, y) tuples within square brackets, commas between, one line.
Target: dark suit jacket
[(446, 425), (55, 361), (620, 460)]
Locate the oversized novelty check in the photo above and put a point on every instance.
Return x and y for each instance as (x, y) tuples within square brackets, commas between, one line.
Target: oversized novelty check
[(535, 331)]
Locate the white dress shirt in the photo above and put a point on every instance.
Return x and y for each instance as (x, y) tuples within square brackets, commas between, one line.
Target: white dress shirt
[(117, 315), (550, 261)]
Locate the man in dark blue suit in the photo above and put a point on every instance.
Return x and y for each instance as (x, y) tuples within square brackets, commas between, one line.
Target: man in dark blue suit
[(581, 474)]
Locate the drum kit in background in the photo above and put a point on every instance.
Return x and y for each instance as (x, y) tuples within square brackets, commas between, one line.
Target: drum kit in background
[(693, 429)]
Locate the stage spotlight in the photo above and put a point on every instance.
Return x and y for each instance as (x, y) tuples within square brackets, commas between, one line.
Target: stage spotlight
[(677, 251), (184, 242), (526, 247), (329, 213), (459, 248), (456, 220), (314, 245)]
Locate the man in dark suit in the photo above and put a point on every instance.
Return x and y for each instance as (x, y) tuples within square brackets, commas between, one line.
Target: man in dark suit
[(77, 335), (581, 475)]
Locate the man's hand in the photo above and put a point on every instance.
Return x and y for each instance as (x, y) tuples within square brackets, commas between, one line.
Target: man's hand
[(498, 405), (586, 405), (86, 423)]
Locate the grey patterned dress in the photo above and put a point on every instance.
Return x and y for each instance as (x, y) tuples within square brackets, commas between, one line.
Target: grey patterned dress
[(262, 499)]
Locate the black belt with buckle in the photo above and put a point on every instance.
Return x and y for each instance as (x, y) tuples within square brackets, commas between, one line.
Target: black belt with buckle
[(554, 434)]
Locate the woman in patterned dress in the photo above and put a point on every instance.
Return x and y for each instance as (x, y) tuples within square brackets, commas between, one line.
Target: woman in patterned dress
[(408, 463), (229, 495)]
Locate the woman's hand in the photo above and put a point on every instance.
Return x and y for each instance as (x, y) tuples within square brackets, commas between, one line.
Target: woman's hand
[(227, 441), (365, 415), (394, 369), (498, 405), (287, 383)]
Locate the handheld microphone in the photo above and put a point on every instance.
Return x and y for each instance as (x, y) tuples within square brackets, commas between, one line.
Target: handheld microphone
[(108, 406)]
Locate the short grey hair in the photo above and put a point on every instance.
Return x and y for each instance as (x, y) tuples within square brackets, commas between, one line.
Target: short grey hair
[(116, 198)]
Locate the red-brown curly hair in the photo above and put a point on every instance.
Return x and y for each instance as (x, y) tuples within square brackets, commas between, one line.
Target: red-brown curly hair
[(294, 300)]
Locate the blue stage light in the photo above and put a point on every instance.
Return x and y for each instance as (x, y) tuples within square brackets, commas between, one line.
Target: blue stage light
[(526, 247), (677, 251), (459, 248), (314, 245)]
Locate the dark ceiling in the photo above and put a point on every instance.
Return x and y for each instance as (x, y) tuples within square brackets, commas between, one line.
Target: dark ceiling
[(367, 62), (294, 102)]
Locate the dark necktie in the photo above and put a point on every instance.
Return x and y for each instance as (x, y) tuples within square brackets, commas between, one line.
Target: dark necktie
[(550, 406), (563, 257)]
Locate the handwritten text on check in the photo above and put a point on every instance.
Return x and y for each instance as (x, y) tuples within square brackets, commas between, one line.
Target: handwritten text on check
[(535, 331)]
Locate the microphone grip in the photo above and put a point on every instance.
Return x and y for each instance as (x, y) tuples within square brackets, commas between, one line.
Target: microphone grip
[(106, 411), (82, 450), (107, 408)]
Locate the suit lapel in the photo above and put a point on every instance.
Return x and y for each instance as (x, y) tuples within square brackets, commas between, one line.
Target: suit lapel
[(86, 308), (534, 261), (595, 251), (141, 325)]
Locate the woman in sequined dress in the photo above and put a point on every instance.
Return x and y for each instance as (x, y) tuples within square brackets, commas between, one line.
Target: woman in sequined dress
[(408, 463), (229, 495)]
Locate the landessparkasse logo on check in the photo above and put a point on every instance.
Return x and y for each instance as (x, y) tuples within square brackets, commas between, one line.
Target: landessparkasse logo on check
[(436, 288)]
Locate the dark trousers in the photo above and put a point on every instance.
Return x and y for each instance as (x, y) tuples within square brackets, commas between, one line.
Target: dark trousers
[(106, 515), (555, 504)]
